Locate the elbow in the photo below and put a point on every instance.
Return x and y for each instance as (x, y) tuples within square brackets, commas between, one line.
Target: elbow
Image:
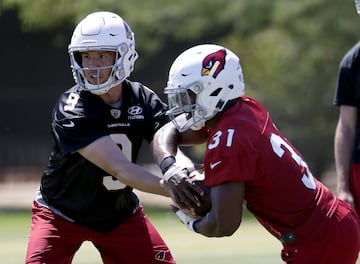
[(224, 231), (219, 229)]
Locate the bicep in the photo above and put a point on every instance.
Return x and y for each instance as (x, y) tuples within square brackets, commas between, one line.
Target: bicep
[(348, 117)]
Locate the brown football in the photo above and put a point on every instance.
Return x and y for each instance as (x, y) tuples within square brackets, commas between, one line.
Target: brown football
[(205, 199)]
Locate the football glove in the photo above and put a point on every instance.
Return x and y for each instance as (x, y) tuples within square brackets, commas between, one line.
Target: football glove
[(174, 172), (187, 220)]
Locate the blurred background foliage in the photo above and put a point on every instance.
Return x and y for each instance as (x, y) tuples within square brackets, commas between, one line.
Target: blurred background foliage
[(289, 51)]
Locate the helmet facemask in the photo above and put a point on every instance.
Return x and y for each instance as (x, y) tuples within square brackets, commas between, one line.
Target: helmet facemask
[(116, 76), (183, 101)]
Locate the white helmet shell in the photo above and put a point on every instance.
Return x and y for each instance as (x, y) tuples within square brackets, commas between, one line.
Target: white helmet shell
[(103, 31), (211, 72)]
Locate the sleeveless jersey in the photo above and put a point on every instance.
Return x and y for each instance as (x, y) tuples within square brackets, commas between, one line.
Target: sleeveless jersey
[(280, 190), (76, 187)]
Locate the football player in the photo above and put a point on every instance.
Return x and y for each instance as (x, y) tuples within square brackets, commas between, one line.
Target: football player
[(86, 191), (347, 133), (247, 161)]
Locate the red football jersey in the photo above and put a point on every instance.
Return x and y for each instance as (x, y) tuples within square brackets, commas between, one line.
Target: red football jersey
[(280, 190)]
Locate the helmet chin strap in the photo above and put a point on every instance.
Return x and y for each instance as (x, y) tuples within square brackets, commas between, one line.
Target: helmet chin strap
[(199, 125), (103, 88), (211, 120)]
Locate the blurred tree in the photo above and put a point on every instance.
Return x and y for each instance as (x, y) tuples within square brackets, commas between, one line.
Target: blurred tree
[(289, 50)]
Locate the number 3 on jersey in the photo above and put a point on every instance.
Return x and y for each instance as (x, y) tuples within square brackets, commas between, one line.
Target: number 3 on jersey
[(216, 138), (277, 143)]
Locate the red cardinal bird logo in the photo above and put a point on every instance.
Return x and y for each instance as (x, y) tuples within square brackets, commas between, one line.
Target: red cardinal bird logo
[(214, 63)]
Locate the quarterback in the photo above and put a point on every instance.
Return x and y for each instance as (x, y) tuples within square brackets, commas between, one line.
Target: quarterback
[(86, 190)]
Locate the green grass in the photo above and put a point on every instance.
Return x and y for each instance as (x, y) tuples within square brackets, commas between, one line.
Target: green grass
[(251, 244)]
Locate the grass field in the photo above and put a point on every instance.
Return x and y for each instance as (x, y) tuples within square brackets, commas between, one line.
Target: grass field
[(251, 244)]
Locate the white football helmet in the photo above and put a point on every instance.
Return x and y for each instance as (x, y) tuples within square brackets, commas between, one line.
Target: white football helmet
[(103, 31), (357, 6), (213, 75)]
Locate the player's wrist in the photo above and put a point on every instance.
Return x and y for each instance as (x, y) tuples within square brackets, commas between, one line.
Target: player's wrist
[(187, 220), (173, 170), (170, 168), (166, 163), (193, 226)]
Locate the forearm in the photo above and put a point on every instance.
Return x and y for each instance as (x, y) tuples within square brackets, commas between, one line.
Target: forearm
[(107, 156), (140, 179), (225, 215), (165, 143), (165, 148), (167, 140), (208, 227), (343, 147), (344, 143)]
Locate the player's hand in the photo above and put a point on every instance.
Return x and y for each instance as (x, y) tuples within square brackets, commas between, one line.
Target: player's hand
[(183, 192), (347, 197), (185, 218)]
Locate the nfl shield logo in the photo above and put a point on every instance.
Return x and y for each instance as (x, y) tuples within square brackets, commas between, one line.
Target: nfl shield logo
[(115, 113)]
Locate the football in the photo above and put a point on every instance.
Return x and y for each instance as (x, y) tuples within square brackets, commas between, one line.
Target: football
[(205, 200)]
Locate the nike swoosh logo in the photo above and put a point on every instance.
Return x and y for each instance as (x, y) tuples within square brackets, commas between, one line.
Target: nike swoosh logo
[(213, 165), (185, 74), (69, 124)]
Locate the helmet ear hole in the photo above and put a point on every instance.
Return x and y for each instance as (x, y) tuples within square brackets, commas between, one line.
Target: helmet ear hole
[(220, 104)]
